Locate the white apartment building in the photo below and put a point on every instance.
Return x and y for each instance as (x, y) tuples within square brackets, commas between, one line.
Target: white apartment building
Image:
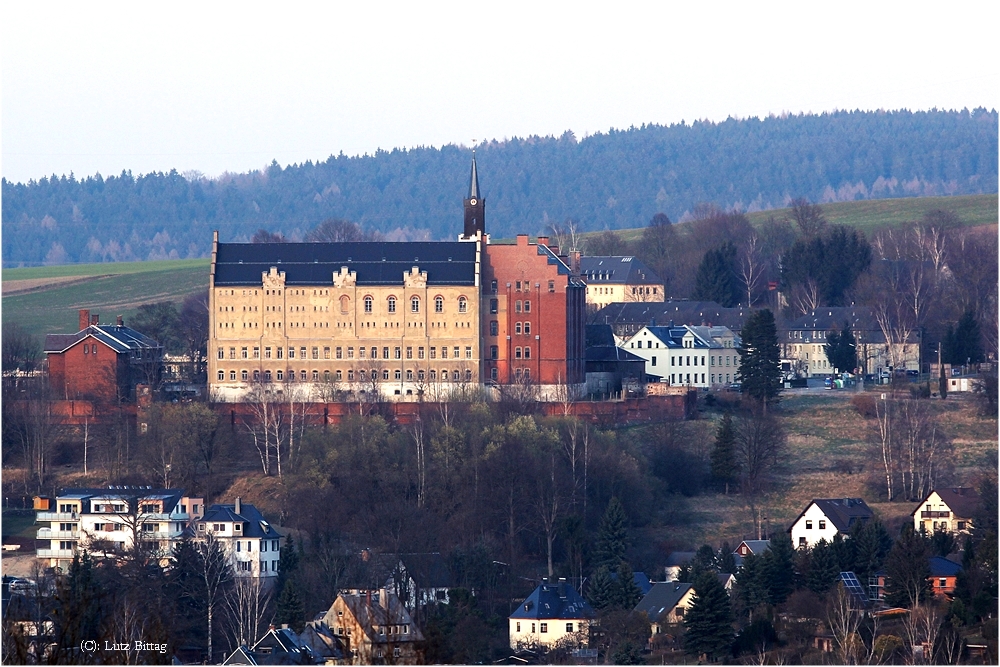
[(701, 356), (254, 545)]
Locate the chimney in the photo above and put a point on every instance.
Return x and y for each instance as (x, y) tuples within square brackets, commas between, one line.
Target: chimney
[(522, 239), (95, 319), (543, 240), (119, 321), (383, 598), (574, 262), (239, 505), (84, 318), (554, 249)]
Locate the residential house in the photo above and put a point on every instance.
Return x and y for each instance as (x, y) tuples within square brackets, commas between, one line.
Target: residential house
[(665, 604), (803, 338), (825, 517), (252, 543), (747, 547), (323, 643), (685, 355), (941, 581), (375, 628), (416, 579), (277, 647), (101, 362), (948, 509), (553, 616), (108, 521), (619, 279), (727, 579), (675, 561)]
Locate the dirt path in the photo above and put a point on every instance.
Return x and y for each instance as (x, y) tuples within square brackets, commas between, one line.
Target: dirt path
[(11, 287)]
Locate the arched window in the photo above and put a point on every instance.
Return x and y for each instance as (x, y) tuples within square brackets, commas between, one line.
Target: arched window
[(438, 304), (232, 375), (392, 304), (256, 376), (345, 304), (222, 375), (385, 374), (315, 376), (414, 305), (434, 375), (267, 376), (463, 304), (409, 374), (420, 376), (368, 304), (399, 374)]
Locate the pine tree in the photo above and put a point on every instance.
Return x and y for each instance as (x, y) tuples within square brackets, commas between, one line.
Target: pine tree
[(751, 582), (724, 467), (612, 536), (842, 350), (725, 561), (628, 592), (291, 609), (288, 562), (760, 358), (963, 344), (716, 278), (907, 569), (709, 619), (823, 568), (602, 593), (872, 543), (779, 568)]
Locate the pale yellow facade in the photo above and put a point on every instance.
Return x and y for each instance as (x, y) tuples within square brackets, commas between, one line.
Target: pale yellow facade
[(399, 340), (600, 295)]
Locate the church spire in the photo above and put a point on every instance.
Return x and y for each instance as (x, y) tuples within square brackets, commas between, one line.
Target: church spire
[(475, 206), (474, 179)]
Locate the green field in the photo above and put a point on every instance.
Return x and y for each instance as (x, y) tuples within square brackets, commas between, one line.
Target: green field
[(871, 215), (113, 289)]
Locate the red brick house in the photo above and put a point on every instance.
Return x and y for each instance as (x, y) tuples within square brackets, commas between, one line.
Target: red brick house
[(101, 362)]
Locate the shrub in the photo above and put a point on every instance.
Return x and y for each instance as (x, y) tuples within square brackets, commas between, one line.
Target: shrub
[(865, 405)]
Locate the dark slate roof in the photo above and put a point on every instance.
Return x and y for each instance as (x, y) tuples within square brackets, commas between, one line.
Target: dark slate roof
[(842, 512), (679, 312), (555, 601), (673, 337), (639, 579), (942, 567), (599, 270), (241, 656), (962, 501), (256, 525), (376, 263), (662, 597), (118, 338), (600, 335), (374, 615), (428, 570), (612, 354), (170, 497)]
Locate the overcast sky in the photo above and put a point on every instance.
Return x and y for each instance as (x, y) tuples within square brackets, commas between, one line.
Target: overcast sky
[(216, 87)]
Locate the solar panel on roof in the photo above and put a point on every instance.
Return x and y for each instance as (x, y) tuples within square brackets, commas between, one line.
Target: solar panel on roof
[(853, 586)]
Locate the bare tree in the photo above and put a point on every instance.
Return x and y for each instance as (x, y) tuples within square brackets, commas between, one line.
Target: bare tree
[(808, 216), (268, 424), (760, 441), (214, 576), (248, 602), (751, 266), (921, 626), (804, 297), (883, 438), (844, 619)]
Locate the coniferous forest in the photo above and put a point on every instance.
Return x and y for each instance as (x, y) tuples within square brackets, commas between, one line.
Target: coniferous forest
[(611, 180)]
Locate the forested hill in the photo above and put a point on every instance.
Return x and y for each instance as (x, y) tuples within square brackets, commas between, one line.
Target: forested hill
[(605, 181)]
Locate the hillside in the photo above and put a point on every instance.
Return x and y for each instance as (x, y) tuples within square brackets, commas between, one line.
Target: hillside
[(45, 299), (612, 180)]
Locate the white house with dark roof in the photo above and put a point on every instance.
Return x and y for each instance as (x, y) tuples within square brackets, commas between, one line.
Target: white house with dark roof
[(554, 615), (665, 604), (700, 356), (108, 521), (253, 544), (823, 518)]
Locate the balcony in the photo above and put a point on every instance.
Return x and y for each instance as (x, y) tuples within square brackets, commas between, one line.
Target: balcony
[(57, 516), (55, 553), (162, 516), (49, 534), (935, 515), (161, 535)]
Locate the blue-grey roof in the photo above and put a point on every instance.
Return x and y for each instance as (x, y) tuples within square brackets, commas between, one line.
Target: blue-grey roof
[(640, 579), (616, 270), (662, 597), (673, 337), (375, 263), (556, 601), (256, 525), (474, 180), (118, 338), (942, 567)]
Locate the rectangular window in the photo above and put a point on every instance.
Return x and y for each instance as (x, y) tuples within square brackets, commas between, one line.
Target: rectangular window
[(267, 353), (350, 353), (232, 353), (527, 328), (544, 627), (397, 353), (339, 352), (517, 288), (494, 328), (256, 352), (243, 352), (822, 524), (361, 353), (517, 305), (519, 622), (409, 352), (517, 353), (385, 352), (434, 353), (222, 353), (455, 350), (527, 353), (468, 351), (444, 351), (552, 286), (315, 352), (280, 351), (527, 306), (494, 305), (420, 353), (654, 361), (809, 525), (569, 627), (494, 352)]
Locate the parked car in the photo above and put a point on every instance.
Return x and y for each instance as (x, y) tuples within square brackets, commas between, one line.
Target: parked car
[(828, 383), (736, 386)]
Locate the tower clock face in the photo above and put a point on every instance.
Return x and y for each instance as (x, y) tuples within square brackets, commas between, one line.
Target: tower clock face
[(472, 201)]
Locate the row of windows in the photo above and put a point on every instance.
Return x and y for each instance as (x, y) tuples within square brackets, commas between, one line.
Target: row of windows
[(643, 290), (363, 375), (339, 352), (522, 353), (91, 351), (544, 627), (686, 378), (522, 326)]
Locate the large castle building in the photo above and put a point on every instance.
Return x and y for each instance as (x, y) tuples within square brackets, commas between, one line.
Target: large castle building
[(367, 320)]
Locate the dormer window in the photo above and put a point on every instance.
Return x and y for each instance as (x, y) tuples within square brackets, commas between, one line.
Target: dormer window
[(238, 527)]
